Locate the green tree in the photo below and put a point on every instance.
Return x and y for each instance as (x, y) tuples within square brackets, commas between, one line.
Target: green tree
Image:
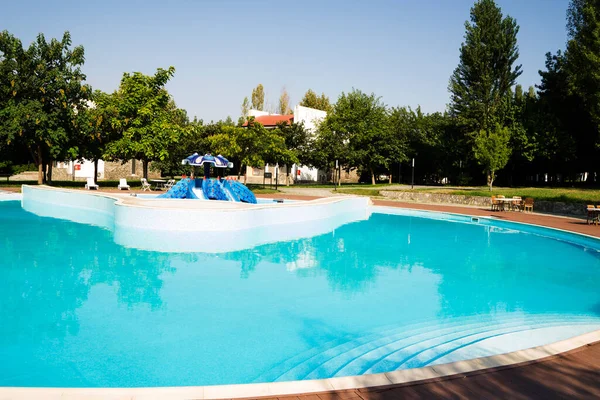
[(492, 151), (146, 118), (312, 100), (561, 122), (583, 55), (258, 97), (297, 142), (251, 146), (98, 124), (480, 86), (41, 89), (284, 102), (245, 107), (361, 121), (485, 73)]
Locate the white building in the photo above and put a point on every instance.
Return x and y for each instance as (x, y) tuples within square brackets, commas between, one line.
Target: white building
[(311, 118)]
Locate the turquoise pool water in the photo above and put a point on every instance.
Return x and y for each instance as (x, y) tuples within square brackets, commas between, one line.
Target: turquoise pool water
[(392, 292)]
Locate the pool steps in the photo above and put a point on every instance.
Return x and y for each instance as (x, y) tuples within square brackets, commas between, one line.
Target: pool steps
[(420, 345)]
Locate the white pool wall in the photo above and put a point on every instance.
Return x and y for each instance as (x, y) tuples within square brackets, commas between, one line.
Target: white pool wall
[(175, 225)]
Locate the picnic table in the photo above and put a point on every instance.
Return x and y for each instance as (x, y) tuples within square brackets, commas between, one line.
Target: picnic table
[(159, 184), (509, 201)]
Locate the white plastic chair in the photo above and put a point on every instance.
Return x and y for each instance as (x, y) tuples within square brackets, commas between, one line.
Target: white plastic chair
[(170, 184), (123, 184), (90, 184), (145, 185)]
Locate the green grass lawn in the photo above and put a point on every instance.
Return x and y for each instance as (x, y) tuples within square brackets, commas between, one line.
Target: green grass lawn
[(567, 195), (360, 191), (344, 185)]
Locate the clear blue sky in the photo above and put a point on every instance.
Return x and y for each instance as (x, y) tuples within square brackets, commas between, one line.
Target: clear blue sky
[(402, 50)]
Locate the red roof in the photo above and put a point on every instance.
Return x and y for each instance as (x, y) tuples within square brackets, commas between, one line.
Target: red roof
[(272, 120)]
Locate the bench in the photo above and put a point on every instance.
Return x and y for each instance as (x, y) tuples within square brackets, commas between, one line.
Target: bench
[(5, 176)]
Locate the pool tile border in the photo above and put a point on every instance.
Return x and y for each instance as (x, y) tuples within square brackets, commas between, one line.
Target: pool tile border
[(309, 386)]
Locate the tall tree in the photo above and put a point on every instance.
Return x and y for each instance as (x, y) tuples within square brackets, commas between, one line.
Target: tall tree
[(360, 120), (481, 84), (245, 107), (583, 55), (146, 114), (41, 89), (284, 102), (486, 71), (258, 97), (98, 124), (312, 100)]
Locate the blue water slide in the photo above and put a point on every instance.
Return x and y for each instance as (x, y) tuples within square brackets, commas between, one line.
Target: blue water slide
[(181, 190), (210, 189), (231, 195), (241, 192), (213, 190)]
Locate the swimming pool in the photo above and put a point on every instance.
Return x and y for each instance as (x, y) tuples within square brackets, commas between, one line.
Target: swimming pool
[(390, 292)]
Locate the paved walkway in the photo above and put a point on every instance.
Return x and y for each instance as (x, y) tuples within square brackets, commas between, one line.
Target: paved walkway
[(571, 375)]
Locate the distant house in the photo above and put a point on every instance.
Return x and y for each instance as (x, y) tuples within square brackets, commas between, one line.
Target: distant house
[(311, 118), (271, 121)]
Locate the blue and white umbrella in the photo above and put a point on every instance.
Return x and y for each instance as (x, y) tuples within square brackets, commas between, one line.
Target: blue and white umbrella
[(196, 160)]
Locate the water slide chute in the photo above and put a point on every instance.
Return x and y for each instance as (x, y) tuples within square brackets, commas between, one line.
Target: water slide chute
[(181, 190)]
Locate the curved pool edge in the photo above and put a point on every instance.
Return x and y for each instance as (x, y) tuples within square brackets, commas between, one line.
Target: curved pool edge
[(401, 377), (165, 225), (492, 221)]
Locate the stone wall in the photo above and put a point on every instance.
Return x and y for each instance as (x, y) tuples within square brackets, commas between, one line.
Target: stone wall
[(549, 207)]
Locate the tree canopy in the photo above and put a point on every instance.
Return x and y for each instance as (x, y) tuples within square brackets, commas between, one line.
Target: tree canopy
[(312, 100), (535, 135), (147, 118), (41, 89)]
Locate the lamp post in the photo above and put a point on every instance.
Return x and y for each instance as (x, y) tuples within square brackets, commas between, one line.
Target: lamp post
[(412, 182)]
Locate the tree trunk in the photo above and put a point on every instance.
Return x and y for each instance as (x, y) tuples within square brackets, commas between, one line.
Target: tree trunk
[(96, 172), (50, 171), (40, 172), (239, 172), (44, 176), (390, 181), (37, 158), (490, 179), (287, 175), (145, 167), (372, 176)]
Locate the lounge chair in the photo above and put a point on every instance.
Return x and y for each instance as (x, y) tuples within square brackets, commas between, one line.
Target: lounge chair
[(170, 183), (123, 184), (593, 215), (497, 205), (528, 205), (517, 203), (145, 185), (91, 184)]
